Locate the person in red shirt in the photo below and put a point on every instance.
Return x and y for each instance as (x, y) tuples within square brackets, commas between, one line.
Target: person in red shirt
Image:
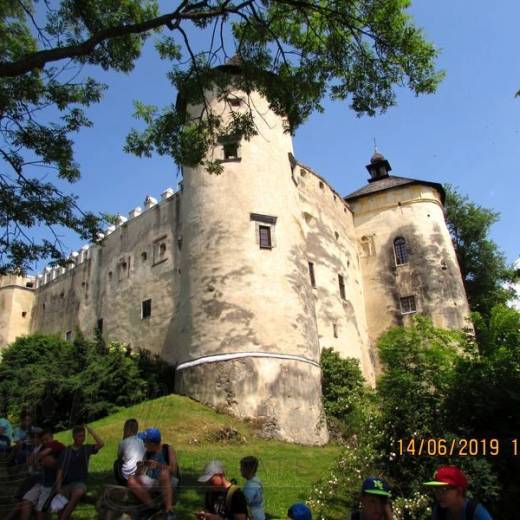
[(36, 498)]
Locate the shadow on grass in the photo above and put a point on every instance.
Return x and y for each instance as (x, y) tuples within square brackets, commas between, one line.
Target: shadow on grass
[(190, 498)]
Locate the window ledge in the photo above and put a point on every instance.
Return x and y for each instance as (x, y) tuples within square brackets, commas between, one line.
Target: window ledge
[(159, 262), (235, 160)]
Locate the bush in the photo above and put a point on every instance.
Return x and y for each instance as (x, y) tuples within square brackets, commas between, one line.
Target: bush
[(343, 391), (65, 383)]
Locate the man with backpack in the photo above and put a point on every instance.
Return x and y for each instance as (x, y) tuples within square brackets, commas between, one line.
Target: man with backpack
[(224, 500), (158, 469), (449, 484)]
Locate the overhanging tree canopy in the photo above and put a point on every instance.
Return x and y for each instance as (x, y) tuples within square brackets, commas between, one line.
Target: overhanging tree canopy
[(355, 50)]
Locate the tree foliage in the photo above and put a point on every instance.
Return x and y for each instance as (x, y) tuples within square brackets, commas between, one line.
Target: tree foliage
[(421, 364), (66, 383), (484, 268), (295, 51)]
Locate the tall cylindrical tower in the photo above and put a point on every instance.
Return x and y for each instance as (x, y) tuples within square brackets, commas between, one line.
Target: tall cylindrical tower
[(246, 333)]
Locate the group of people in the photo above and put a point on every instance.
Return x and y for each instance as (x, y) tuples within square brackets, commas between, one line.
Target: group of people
[(449, 487), (57, 479), (56, 476)]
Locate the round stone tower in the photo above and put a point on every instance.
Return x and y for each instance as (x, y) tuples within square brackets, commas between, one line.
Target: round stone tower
[(246, 332), (407, 256)]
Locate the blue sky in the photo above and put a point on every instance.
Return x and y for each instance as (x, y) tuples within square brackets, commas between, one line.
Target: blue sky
[(466, 134)]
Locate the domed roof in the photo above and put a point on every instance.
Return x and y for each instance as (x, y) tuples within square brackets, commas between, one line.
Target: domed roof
[(377, 157)]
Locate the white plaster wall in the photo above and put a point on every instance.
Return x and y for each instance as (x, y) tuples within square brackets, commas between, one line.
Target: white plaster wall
[(331, 245), (98, 287)]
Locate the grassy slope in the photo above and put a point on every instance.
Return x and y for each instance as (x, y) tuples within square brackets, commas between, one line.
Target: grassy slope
[(287, 471)]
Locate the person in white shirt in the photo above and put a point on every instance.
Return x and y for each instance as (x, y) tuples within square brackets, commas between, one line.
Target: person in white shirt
[(131, 449)]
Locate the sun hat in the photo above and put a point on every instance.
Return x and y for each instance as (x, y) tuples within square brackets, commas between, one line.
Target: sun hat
[(214, 467)]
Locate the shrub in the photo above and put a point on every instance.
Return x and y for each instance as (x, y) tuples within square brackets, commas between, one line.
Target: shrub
[(66, 383)]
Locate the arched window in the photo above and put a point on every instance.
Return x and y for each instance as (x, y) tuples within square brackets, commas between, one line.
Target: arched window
[(400, 251)]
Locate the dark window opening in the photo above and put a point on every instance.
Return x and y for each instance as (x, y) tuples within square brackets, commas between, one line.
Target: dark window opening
[(341, 282), (312, 275), (68, 335), (99, 325), (30, 285), (234, 101), (265, 237), (400, 251), (162, 249), (335, 330), (24, 314), (408, 305), (230, 150), (146, 309), (322, 185), (144, 256)]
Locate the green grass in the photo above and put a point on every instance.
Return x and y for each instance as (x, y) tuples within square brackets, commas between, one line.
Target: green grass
[(287, 471)]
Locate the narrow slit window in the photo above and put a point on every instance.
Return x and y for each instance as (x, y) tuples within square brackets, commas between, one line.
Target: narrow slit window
[(341, 282), (312, 275), (400, 251), (335, 330), (408, 305), (99, 326), (146, 309), (265, 237)]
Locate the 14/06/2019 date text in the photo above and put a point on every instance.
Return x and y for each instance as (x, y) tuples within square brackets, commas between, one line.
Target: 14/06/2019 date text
[(434, 447)]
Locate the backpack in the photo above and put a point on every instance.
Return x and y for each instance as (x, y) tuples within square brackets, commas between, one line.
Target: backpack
[(442, 514), (166, 457), (118, 472), (229, 497)]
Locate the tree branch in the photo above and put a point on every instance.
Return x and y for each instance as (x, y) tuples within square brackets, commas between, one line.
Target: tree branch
[(39, 59)]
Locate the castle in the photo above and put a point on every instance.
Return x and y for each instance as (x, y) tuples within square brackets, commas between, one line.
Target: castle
[(240, 279)]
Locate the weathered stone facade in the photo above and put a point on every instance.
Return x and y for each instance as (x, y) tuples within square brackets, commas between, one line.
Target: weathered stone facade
[(240, 279)]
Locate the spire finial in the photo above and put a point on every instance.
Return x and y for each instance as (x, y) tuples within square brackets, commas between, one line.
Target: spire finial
[(375, 145)]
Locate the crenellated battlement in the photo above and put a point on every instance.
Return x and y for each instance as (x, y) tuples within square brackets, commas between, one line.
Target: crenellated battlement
[(77, 258)]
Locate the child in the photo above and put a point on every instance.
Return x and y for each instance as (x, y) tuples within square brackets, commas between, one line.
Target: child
[(253, 489), (375, 501)]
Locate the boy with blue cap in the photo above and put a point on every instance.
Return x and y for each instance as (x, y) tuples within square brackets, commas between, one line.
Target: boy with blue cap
[(157, 470)]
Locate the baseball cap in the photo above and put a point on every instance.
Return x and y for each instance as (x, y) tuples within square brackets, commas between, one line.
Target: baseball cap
[(449, 476), (299, 512), (376, 486), (152, 435), (214, 467)]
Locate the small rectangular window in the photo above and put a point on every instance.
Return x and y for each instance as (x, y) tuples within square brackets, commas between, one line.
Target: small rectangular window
[(341, 282), (335, 330), (230, 151), (408, 305), (99, 325), (265, 237), (311, 274), (146, 309)]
